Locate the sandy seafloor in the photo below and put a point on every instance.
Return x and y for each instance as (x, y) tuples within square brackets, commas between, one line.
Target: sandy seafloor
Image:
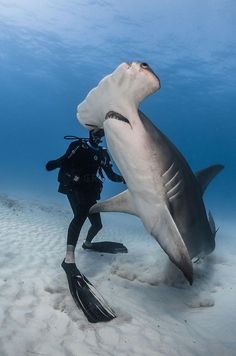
[(158, 312)]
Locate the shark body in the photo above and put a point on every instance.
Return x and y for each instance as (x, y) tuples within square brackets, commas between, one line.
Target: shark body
[(162, 189)]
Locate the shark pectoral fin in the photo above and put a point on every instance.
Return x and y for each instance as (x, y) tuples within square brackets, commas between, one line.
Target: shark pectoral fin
[(167, 235), (206, 175), (119, 203)]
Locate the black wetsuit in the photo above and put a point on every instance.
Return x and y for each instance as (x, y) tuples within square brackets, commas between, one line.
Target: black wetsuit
[(78, 179)]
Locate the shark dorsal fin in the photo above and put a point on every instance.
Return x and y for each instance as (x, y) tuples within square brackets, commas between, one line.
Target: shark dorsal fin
[(206, 175), (119, 203)]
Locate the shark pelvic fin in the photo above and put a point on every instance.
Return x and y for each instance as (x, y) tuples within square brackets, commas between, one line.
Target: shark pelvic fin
[(212, 223), (167, 235), (119, 203), (206, 175)]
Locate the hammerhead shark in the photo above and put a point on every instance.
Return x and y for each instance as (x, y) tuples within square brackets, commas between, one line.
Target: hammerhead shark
[(162, 189)]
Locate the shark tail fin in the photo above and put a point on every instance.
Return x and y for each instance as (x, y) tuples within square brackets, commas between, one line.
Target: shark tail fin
[(206, 175)]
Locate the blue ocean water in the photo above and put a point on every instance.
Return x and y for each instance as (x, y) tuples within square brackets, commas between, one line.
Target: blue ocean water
[(52, 52)]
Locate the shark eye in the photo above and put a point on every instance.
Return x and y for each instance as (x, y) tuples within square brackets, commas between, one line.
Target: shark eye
[(144, 65)]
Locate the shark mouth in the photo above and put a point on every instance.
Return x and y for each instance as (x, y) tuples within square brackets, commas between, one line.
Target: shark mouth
[(110, 115), (116, 116)]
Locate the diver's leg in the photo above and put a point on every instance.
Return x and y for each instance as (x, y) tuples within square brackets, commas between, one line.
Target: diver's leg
[(96, 226), (104, 246), (82, 291), (80, 214)]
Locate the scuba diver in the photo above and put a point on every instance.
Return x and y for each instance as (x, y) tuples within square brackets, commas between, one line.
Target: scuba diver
[(78, 179)]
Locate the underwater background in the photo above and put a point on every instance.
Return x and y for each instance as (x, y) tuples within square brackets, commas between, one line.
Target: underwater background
[(52, 52)]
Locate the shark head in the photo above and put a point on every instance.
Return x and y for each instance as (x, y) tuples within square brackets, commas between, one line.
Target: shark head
[(121, 91)]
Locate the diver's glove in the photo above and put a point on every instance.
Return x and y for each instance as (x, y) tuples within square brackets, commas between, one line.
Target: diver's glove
[(51, 165)]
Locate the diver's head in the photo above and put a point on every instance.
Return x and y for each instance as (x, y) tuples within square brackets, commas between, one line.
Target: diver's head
[(95, 136)]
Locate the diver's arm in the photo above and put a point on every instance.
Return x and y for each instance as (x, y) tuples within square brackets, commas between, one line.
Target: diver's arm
[(57, 163), (107, 167)]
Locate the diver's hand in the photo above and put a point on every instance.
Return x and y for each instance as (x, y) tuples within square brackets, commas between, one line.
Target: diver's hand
[(50, 165)]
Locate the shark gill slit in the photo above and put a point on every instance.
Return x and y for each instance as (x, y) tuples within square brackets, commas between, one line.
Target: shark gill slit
[(168, 170), (172, 179), (176, 195), (175, 190)]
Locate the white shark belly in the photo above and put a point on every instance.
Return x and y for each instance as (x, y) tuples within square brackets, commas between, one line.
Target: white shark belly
[(139, 168)]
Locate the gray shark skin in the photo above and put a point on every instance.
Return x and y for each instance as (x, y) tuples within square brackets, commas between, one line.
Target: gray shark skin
[(183, 193), (162, 189)]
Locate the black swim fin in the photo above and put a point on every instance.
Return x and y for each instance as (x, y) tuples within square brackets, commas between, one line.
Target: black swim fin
[(106, 247), (86, 296)]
